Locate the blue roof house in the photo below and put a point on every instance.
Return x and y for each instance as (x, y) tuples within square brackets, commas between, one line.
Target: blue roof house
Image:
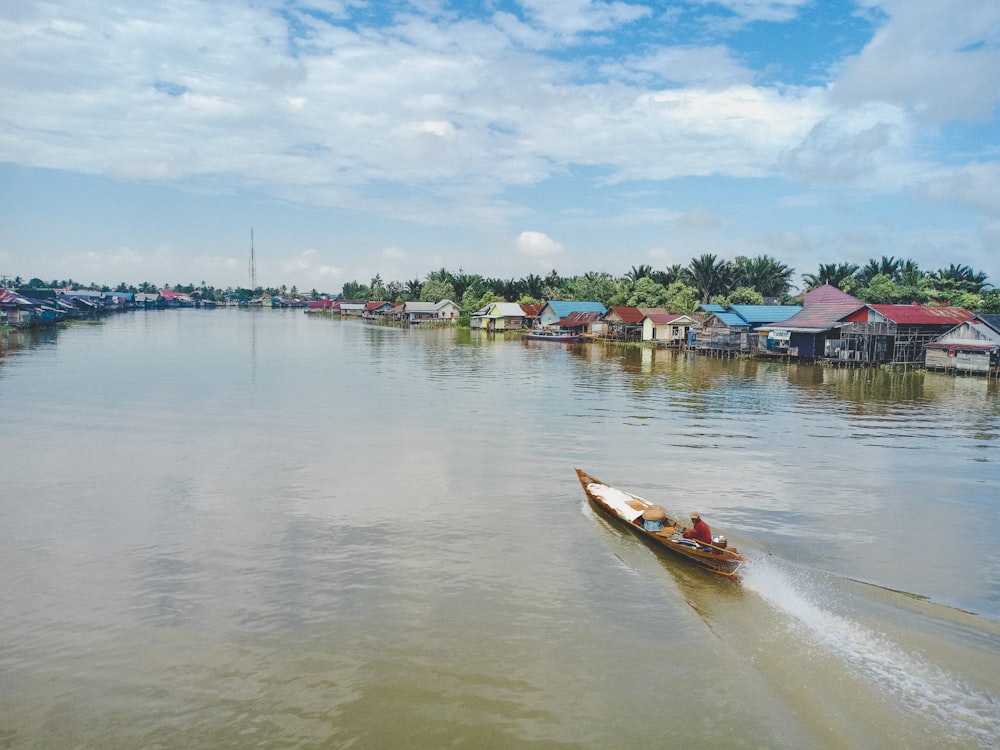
[(729, 329), (556, 310)]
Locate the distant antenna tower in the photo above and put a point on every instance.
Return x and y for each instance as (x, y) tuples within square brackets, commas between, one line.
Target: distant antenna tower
[(253, 264)]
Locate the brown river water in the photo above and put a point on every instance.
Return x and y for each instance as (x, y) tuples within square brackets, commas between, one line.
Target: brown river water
[(263, 529)]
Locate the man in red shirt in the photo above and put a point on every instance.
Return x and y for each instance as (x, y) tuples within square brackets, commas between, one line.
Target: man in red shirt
[(699, 530)]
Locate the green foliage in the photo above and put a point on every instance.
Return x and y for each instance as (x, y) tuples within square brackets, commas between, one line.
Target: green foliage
[(394, 292), (989, 302), (591, 287), (741, 295), (674, 273), (377, 291), (472, 301), (887, 266), (639, 272), (413, 288), (710, 276), (763, 273), (533, 286), (647, 293), (681, 299), (354, 290), (881, 290), (835, 274), (435, 290), (960, 277)]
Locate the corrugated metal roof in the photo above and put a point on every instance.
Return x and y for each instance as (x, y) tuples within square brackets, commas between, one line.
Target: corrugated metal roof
[(733, 320), (827, 294), (981, 332), (964, 344), (627, 314), (819, 316), (923, 314), (712, 308), (532, 310), (990, 319), (504, 310), (8, 297), (579, 319), (562, 308), (765, 313), (662, 318)]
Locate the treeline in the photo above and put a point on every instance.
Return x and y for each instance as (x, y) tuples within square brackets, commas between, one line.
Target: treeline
[(679, 289), (708, 278), (204, 290)]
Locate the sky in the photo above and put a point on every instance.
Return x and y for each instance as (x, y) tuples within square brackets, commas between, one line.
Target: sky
[(144, 142)]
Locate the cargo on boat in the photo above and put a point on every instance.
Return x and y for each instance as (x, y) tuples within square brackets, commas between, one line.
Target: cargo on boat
[(652, 522)]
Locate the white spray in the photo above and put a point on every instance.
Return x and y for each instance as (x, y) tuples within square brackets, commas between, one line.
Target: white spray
[(920, 685)]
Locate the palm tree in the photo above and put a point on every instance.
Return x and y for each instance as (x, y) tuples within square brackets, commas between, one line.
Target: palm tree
[(394, 290), (961, 277), (834, 274), (888, 266), (676, 272), (710, 276), (443, 275), (910, 275), (553, 283), (763, 273), (639, 272), (511, 290), (462, 282), (533, 286), (413, 289)]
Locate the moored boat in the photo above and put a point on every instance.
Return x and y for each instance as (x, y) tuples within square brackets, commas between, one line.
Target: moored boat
[(552, 334), (652, 522)]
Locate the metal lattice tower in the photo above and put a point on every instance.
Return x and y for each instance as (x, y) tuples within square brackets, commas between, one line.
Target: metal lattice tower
[(253, 264)]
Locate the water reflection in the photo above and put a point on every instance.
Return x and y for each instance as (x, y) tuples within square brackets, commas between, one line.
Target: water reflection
[(17, 340)]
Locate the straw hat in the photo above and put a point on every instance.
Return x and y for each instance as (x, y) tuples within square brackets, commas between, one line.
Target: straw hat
[(694, 515), (654, 513)]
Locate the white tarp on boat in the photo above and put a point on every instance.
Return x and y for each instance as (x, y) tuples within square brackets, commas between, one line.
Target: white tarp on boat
[(617, 499)]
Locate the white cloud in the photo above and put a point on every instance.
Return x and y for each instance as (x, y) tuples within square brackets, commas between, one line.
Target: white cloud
[(759, 10), (308, 264), (937, 59), (698, 219), (867, 144), (370, 107), (975, 186), (577, 16), (711, 66), (537, 246), (393, 253)]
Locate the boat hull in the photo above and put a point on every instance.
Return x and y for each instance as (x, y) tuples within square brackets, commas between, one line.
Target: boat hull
[(570, 338), (613, 504)]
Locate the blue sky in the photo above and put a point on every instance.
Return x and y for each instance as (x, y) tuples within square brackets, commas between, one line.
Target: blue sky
[(142, 141)]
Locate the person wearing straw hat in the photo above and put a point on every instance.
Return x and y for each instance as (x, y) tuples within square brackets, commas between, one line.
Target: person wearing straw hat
[(699, 530)]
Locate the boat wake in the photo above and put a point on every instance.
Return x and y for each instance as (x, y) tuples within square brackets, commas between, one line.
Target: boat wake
[(918, 684)]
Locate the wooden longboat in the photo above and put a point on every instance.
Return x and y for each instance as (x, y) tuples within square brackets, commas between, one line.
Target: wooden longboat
[(628, 509), (553, 334)]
